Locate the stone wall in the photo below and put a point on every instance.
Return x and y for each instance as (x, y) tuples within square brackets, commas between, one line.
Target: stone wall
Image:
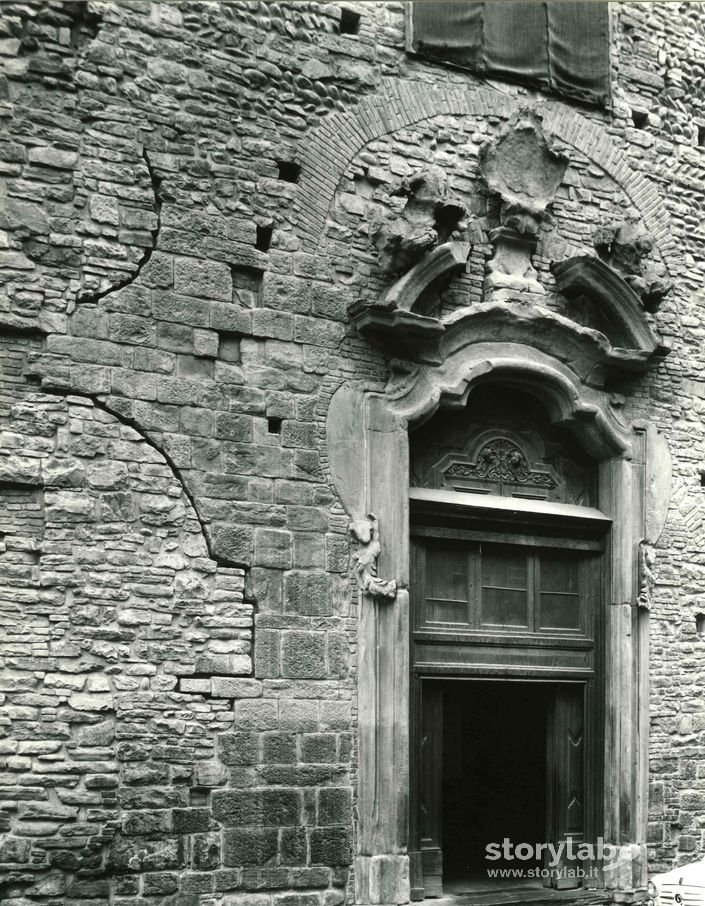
[(191, 193)]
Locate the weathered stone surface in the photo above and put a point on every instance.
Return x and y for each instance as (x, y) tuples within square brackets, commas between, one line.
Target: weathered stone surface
[(53, 157), (627, 247), (207, 279), (164, 385), (91, 678), (429, 216), (524, 170)]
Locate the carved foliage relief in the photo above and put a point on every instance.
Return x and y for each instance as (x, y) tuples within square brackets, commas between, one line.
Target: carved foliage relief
[(502, 447), (502, 465)]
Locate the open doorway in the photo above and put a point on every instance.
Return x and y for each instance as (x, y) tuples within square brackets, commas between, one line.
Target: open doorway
[(501, 771), (494, 774)]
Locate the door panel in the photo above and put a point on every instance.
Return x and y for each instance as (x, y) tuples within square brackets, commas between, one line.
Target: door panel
[(518, 611), (431, 788), (566, 781)]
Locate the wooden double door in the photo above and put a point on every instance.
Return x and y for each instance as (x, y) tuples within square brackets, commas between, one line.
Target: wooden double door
[(500, 769)]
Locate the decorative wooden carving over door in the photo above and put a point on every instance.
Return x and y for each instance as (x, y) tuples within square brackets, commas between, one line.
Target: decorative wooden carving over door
[(500, 445)]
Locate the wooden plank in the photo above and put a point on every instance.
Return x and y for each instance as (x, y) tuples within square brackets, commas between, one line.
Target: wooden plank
[(430, 500), (523, 539), (519, 640), (431, 788), (428, 656), (506, 671), (566, 751)]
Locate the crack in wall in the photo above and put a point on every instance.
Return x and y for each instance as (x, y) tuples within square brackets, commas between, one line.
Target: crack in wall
[(100, 403), (156, 181)]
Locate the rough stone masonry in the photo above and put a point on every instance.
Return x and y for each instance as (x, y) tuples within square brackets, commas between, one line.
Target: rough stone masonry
[(192, 196)]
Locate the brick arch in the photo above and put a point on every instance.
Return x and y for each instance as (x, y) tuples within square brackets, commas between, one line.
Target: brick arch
[(398, 105)]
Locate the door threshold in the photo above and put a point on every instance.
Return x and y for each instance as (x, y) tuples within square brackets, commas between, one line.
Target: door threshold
[(513, 894)]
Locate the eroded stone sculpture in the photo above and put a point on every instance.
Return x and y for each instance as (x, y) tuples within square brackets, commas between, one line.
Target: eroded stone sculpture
[(647, 561), (626, 247), (366, 533), (428, 217), (525, 172)]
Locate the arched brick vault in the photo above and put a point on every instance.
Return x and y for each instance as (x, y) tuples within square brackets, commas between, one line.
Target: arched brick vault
[(399, 104)]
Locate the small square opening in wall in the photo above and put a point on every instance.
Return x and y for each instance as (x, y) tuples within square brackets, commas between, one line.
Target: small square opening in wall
[(700, 623), (264, 237), (702, 478), (701, 135), (288, 171), (349, 22), (274, 425), (640, 118)]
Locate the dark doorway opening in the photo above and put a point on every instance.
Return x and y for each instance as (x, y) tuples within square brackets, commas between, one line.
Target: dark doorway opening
[(494, 775)]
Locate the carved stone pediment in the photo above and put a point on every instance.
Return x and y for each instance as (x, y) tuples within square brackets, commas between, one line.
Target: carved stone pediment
[(608, 333), (625, 344), (393, 324), (627, 327)]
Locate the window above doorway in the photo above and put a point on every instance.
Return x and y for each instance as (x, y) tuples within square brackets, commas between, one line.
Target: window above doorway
[(504, 588)]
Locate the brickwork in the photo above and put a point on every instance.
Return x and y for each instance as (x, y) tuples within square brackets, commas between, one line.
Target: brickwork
[(188, 191)]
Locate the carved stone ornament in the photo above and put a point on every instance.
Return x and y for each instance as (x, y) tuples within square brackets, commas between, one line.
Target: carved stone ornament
[(525, 172), (429, 216), (391, 323), (366, 533), (630, 334), (647, 561), (625, 247)]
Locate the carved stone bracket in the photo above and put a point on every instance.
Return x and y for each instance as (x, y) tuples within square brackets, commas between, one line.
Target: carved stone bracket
[(366, 533), (404, 334), (647, 561)]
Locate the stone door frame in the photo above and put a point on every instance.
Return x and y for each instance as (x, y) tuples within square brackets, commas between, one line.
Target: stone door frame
[(633, 482)]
